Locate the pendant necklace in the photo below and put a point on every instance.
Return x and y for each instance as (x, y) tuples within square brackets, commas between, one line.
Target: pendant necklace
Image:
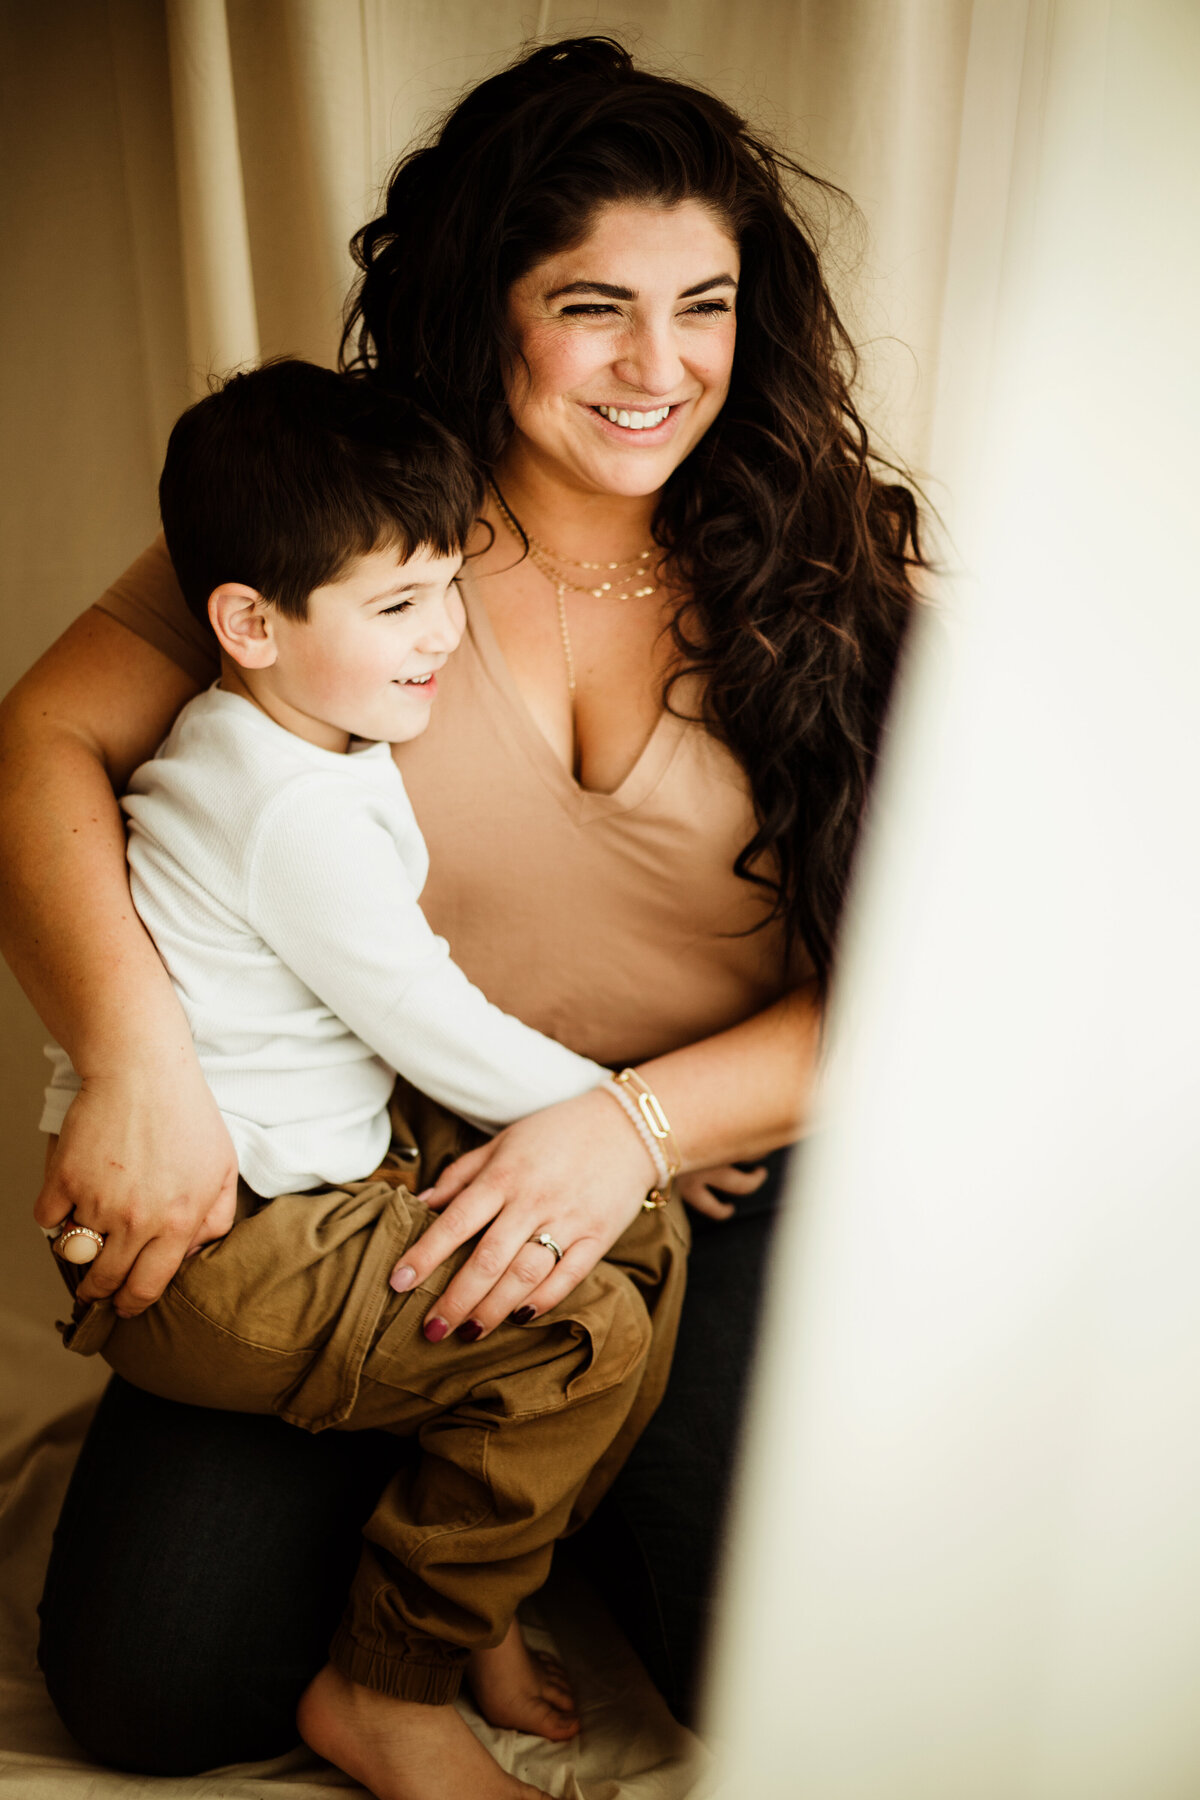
[(637, 582)]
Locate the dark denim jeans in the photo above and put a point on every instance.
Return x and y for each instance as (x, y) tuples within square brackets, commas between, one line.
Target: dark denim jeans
[(202, 1558)]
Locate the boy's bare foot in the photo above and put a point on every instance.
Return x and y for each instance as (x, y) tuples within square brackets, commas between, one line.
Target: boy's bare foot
[(521, 1691), (399, 1749)]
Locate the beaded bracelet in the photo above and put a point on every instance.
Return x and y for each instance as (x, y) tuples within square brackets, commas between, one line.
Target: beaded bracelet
[(643, 1109)]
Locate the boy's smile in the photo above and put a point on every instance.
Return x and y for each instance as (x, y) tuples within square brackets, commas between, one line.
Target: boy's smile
[(364, 662)]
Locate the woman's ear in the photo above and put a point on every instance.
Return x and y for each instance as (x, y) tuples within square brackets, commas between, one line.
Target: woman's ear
[(243, 622)]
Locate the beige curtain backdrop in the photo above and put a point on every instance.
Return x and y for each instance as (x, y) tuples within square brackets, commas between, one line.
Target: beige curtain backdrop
[(181, 179)]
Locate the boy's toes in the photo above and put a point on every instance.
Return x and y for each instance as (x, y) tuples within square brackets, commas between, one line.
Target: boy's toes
[(555, 1685), (550, 1721)]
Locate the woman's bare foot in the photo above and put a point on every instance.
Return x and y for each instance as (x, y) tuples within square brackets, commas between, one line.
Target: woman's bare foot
[(399, 1749), (521, 1691)]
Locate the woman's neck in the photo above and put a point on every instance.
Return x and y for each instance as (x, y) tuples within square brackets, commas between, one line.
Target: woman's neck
[(579, 524)]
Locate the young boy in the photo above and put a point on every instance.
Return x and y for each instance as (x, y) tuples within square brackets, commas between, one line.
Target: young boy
[(276, 862)]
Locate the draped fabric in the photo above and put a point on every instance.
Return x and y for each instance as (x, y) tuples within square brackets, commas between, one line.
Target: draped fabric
[(968, 1557)]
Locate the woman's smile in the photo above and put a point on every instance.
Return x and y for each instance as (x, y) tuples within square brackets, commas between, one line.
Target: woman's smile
[(639, 427)]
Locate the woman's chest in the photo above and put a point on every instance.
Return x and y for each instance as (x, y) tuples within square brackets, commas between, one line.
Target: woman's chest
[(589, 669)]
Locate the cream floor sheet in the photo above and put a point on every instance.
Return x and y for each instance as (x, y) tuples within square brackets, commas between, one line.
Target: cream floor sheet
[(629, 1747)]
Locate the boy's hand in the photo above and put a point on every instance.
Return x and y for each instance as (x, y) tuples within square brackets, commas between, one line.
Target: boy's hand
[(697, 1188), (146, 1160)]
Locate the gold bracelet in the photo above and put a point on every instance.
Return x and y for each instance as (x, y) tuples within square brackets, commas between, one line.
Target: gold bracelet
[(658, 1125)]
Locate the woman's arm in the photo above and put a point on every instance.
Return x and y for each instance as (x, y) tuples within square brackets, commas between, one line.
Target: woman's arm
[(144, 1155), (580, 1172)]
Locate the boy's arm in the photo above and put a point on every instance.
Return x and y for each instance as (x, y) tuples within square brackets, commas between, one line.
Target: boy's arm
[(328, 893)]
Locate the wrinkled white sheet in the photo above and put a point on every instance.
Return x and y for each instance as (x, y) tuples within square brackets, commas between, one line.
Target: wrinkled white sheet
[(629, 1747)]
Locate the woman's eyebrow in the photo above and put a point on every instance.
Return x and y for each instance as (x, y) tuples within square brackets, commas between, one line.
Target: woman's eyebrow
[(623, 293), (593, 287), (702, 287)]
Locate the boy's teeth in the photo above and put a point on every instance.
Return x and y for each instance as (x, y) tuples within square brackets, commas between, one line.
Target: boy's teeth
[(634, 421)]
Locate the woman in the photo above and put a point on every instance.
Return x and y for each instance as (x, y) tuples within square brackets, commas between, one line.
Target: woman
[(684, 617)]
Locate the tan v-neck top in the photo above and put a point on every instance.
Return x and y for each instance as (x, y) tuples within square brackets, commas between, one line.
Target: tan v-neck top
[(610, 921)]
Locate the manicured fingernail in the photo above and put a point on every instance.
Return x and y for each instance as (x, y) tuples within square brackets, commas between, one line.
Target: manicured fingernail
[(435, 1330), (402, 1279), (470, 1331), (523, 1315)]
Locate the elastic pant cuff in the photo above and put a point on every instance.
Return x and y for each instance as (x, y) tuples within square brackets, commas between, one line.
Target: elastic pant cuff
[(433, 1683)]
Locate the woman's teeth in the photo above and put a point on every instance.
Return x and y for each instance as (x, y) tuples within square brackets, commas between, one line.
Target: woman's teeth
[(634, 421), (417, 680)]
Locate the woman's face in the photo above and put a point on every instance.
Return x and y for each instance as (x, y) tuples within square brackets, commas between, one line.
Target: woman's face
[(628, 337)]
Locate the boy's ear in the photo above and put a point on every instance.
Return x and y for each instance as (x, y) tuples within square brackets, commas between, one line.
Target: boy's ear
[(243, 621)]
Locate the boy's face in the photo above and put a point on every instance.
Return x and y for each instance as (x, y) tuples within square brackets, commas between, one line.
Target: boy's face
[(364, 663)]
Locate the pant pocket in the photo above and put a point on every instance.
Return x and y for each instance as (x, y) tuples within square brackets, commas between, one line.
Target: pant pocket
[(598, 1338), (327, 1391), (279, 1314)]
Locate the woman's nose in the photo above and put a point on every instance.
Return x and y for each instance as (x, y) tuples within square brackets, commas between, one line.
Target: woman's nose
[(650, 361)]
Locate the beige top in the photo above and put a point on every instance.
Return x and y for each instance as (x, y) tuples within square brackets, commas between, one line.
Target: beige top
[(609, 921)]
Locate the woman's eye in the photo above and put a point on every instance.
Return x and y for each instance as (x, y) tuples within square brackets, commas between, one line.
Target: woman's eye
[(709, 308), (589, 311), (401, 606)]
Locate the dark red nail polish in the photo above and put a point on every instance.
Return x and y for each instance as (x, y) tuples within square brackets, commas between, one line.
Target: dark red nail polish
[(470, 1331), (435, 1330), (523, 1315)]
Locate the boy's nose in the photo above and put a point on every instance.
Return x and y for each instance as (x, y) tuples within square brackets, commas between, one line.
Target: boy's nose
[(445, 624)]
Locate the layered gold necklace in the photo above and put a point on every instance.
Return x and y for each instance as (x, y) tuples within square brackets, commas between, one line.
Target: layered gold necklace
[(632, 579)]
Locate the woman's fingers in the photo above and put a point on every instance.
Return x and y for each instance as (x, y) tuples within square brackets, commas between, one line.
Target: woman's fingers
[(146, 1159), (526, 1272), (701, 1199), (217, 1223), (456, 1176), (562, 1280), (732, 1180), (148, 1274), (453, 1227), (505, 1255), (705, 1190)]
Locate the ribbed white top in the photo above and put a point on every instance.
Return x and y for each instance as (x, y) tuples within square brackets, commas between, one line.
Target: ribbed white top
[(281, 884)]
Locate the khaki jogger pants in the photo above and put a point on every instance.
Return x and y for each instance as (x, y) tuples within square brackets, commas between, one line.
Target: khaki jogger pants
[(518, 1435)]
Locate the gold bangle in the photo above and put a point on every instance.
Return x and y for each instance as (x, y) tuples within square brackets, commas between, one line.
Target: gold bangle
[(656, 1121)]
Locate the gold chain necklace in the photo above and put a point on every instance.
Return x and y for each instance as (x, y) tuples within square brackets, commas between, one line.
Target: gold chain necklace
[(553, 566)]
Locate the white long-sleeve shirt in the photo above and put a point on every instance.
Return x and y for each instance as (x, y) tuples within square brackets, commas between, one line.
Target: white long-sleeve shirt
[(281, 884)]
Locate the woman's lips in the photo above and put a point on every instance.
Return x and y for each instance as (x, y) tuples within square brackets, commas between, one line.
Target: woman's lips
[(637, 434)]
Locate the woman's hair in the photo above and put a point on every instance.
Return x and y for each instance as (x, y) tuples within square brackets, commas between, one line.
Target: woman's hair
[(795, 554), (281, 476)]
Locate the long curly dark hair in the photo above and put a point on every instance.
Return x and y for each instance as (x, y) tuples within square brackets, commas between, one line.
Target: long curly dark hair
[(794, 549)]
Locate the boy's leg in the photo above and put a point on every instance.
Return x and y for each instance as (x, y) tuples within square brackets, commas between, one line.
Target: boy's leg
[(521, 1434), (292, 1314)]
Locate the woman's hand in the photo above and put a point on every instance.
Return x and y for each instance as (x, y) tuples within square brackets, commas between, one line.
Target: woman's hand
[(145, 1158), (577, 1171), (706, 1190)]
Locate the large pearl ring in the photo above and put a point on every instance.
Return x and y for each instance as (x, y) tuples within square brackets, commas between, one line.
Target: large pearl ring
[(79, 1244)]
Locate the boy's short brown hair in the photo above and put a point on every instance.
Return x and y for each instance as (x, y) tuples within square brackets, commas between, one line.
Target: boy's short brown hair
[(282, 475)]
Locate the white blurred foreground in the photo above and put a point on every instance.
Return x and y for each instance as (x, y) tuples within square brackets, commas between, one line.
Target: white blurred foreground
[(967, 1564)]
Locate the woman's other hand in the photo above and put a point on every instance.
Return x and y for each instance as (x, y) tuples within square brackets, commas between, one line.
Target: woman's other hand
[(145, 1158), (577, 1171), (707, 1190)]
